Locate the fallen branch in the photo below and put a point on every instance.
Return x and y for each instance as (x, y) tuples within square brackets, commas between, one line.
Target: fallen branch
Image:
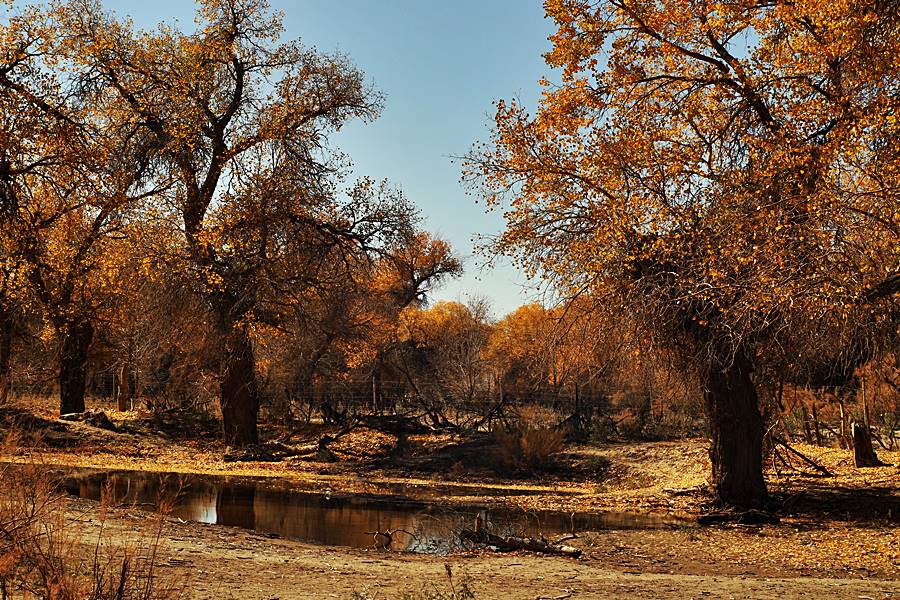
[(516, 543), (565, 538), (825, 472), (691, 491), (385, 539), (94, 418)]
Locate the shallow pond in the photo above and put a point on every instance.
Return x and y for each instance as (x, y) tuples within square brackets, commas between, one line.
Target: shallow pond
[(334, 519)]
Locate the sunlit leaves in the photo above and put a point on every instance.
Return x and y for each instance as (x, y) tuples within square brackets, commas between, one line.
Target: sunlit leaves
[(734, 159)]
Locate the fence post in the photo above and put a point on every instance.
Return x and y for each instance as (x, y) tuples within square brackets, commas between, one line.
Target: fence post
[(374, 395)]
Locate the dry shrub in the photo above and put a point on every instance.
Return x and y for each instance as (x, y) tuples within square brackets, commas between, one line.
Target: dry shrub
[(536, 416), (530, 448), (41, 555)]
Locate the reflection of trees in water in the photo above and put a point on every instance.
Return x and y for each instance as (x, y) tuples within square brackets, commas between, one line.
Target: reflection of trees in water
[(235, 506), (119, 490), (337, 521), (199, 502), (331, 521), (196, 501)]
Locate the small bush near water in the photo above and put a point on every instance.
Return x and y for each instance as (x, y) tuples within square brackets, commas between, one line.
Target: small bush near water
[(39, 548), (531, 447)]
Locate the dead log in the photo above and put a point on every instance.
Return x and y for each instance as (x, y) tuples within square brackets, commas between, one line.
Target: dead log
[(96, 419), (326, 454), (863, 452), (507, 544), (394, 424), (265, 452)]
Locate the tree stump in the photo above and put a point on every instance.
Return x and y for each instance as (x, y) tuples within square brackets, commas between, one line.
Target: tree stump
[(863, 452)]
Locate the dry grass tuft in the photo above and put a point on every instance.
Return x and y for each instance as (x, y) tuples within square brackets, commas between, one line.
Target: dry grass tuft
[(531, 447), (41, 555)]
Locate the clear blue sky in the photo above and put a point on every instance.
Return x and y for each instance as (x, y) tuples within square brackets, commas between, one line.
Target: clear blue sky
[(440, 64)]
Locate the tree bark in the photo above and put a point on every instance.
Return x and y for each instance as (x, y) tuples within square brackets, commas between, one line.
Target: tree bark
[(125, 387), (816, 428), (807, 431), (77, 338), (239, 398), (863, 452), (736, 427), (845, 426), (6, 335)]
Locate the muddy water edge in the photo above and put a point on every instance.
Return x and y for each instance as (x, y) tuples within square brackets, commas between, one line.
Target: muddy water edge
[(418, 522)]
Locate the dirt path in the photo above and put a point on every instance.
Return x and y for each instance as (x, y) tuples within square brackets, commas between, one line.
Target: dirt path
[(223, 562)]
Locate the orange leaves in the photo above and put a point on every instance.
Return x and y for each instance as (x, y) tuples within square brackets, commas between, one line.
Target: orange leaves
[(732, 155)]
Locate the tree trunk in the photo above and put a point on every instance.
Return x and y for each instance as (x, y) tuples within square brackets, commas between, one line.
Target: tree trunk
[(816, 428), (807, 431), (865, 401), (845, 427), (863, 452), (239, 393), (125, 387), (737, 430), (6, 335), (77, 338)]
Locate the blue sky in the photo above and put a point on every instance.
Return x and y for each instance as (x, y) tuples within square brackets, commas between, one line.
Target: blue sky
[(440, 65)]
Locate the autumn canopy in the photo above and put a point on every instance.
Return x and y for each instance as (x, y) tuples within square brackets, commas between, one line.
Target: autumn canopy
[(729, 170)]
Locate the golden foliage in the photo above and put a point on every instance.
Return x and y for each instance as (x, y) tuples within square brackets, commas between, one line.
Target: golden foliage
[(729, 159)]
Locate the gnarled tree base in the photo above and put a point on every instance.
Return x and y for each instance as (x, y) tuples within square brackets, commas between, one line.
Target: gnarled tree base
[(736, 428), (863, 451)]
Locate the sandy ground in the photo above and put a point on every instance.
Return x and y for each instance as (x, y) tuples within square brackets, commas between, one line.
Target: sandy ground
[(221, 562), (839, 537)]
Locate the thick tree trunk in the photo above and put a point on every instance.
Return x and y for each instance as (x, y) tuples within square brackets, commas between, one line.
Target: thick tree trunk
[(863, 452), (239, 393), (77, 338), (736, 427), (6, 335)]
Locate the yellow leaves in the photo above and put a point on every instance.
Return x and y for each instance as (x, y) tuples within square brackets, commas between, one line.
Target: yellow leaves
[(749, 169), (213, 281)]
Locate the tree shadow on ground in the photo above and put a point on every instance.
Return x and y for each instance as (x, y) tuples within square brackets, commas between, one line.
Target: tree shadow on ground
[(23, 423), (872, 506)]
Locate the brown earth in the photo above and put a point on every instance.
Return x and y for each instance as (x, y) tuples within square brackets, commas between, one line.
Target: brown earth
[(222, 562), (838, 537)]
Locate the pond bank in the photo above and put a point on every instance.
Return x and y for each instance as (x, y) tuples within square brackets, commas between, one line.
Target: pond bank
[(839, 537), (224, 562)]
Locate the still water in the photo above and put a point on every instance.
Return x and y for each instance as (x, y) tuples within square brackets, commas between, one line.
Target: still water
[(333, 519)]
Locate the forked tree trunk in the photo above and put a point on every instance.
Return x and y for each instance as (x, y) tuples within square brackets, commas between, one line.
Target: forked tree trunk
[(77, 338), (239, 398), (737, 431), (6, 335)]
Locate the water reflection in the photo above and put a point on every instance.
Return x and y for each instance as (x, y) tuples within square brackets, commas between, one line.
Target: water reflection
[(334, 520)]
